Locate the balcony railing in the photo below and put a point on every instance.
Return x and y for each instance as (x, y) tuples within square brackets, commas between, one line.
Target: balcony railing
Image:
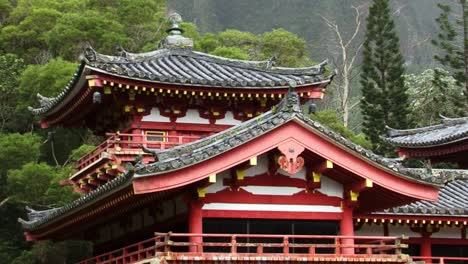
[(258, 248), (131, 143), (441, 260)]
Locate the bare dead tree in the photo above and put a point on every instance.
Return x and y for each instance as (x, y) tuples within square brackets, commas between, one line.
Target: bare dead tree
[(345, 60)]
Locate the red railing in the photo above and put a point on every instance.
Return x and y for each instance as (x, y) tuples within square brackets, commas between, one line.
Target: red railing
[(441, 260), (247, 246), (132, 142)]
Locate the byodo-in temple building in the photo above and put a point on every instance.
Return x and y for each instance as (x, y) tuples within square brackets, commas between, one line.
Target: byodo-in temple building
[(213, 160)]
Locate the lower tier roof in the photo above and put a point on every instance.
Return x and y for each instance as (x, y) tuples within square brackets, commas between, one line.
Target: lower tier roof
[(451, 130)]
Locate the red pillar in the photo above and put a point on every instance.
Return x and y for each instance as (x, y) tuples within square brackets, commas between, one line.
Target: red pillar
[(195, 223), (347, 229), (426, 250)]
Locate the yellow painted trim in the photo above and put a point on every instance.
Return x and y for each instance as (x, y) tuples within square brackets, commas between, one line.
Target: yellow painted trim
[(253, 161), (107, 90), (329, 164), (156, 133), (201, 192), (369, 183), (240, 174), (91, 82), (316, 176), (212, 178), (353, 195)]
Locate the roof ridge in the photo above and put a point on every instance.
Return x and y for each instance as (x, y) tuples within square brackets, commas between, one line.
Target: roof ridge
[(446, 122), (91, 56)]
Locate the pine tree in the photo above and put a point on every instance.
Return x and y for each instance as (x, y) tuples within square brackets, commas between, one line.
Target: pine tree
[(384, 101), (453, 42)]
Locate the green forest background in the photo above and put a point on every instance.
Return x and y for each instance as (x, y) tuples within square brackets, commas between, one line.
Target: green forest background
[(41, 42)]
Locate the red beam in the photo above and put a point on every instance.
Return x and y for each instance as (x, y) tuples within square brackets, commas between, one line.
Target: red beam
[(242, 196), (271, 215)]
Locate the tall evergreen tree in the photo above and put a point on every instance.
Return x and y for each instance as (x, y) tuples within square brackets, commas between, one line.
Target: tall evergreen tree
[(384, 101), (453, 42)]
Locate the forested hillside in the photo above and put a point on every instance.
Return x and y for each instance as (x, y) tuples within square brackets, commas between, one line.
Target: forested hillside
[(41, 42), (415, 21)]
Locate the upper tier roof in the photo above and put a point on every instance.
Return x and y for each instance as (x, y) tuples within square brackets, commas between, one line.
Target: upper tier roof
[(188, 67), (451, 130), (185, 67)]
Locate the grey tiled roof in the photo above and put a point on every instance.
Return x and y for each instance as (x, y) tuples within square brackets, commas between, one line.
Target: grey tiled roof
[(38, 218), (453, 198), (451, 130), (288, 109), (187, 67), (183, 66), (47, 103)]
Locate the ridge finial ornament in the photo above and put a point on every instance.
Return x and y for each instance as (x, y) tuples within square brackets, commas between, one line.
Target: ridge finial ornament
[(175, 38), (175, 19), (89, 53)]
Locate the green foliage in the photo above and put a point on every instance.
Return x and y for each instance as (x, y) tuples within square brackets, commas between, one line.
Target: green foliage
[(246, 41), (17, 149), (28, 37), (230, 52), (433, 93), (384, 101), (43, 29), (208, 43), (37, 184), (288, 48), (73, 30), (330, 119), (48, 79), (60, 252), (11, 68), (452, 40), (5, 8), (79, 152)]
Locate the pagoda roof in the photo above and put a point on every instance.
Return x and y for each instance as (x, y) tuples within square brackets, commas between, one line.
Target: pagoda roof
[(38, 218), (183, 66), (451, 130), (452, 197), (289, 109)]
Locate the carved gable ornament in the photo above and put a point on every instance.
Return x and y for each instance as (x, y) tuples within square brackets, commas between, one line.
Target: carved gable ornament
[(290, 161)]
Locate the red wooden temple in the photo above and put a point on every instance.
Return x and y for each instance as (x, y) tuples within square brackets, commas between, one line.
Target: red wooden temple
[(212, 160)]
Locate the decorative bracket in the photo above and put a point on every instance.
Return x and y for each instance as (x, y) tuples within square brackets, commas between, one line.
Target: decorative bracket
[(290, 161)]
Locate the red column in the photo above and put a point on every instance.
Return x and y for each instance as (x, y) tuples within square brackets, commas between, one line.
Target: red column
[(426, 250), (347, 229), (195, 223)]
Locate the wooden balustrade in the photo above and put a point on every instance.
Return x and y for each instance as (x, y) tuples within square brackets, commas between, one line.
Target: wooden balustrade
[(297, 247), (130, 143), (441, 260)]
